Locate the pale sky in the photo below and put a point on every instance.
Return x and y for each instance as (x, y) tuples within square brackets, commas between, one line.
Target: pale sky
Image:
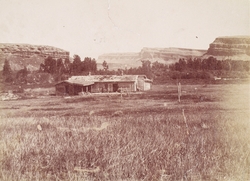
[(93, 27)]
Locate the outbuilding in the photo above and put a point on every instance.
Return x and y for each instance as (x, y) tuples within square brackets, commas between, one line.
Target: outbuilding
[(103, 83)]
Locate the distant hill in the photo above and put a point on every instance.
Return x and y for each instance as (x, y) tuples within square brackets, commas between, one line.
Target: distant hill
[(227, 47), (162, 55), (31, 56), (230, 47), (169, 55)]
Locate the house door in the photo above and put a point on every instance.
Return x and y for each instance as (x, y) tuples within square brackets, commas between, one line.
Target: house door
[(67, 89), (89, 88), (115, 87)]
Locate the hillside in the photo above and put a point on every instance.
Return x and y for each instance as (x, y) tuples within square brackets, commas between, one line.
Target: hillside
[(230, 47), (169, 55), (227, 47), (31, 56), (162, 55)]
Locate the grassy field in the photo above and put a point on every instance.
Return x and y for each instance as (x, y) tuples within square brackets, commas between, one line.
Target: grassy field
[(130, 137)]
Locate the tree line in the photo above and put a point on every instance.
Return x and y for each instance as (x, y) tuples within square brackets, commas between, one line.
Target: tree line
[(183, 69), (77, 67), (89, 65), (10, 76), (210, 63)]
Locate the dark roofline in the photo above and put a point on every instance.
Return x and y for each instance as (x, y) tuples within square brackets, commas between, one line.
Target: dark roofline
[(75, 83), (116, 81), (148, 80)]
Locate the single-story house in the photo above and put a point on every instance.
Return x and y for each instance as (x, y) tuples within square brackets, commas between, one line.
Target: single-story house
[(103, 83)]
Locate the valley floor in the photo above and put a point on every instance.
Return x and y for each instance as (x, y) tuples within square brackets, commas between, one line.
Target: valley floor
[(148, 136)]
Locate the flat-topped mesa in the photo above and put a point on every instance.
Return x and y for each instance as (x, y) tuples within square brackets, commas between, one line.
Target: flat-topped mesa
[(171, 53), (162, 55), (118, 57), (31, 56), (27, 50), (120, 60), (232, 47)]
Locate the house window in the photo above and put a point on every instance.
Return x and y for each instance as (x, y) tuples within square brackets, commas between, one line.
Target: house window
[(115, 87)]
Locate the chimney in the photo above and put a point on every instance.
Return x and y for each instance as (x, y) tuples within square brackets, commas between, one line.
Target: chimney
[(122, 73)]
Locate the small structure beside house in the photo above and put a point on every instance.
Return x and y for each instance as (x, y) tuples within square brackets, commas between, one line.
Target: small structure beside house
[(103, 83)]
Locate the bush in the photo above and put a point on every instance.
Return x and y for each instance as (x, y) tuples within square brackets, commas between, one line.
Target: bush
[(9, 79)]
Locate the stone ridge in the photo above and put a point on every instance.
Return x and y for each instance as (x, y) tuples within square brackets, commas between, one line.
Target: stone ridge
[(171, 53), (230, 47), (162, 55), (29, 50), (31, 56)]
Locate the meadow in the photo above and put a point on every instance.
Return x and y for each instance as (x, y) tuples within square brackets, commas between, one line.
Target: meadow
[(147, 136)]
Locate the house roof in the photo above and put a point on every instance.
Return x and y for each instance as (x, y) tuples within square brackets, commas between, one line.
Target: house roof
[(77, 82), (91, 79), (105, 78)]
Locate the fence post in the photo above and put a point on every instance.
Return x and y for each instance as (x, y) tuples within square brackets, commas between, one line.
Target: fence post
[(179, 92), (121, 94)]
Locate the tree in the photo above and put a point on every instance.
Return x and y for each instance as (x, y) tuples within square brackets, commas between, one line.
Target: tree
[(93, 65), (88, 65), (158, 68), (53, 66), (76, 65), (197, 64), (105, 65), (172, 67), (219, 65), (7, 72), (146, 68), (211, 63), (182, 64), (49, 65), (226, 65), (21, 75), (190, 64), (204, 64), (85, 65), (60, 68), (6, 68), (68, 66), (42, 67)]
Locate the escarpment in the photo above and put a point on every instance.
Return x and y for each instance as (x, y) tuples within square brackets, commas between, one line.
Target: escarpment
[(31, 56), (230, 47), (162, 55)]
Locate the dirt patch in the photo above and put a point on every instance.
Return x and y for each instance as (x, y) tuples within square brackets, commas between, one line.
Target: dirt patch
[(79, 169), (104, 125), (8, 96), (77, 99), (51, 109)]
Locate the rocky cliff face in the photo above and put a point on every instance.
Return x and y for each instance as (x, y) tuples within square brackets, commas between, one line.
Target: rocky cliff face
[(170, 54), (231, 47), (31, 56), (162, 55), (119, 60)]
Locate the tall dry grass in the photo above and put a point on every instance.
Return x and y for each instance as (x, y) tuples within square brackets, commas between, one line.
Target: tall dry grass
[(149, 146), (142, 141)]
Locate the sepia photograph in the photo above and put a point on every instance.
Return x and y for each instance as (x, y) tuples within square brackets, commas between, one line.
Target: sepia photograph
[(124, 90)]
